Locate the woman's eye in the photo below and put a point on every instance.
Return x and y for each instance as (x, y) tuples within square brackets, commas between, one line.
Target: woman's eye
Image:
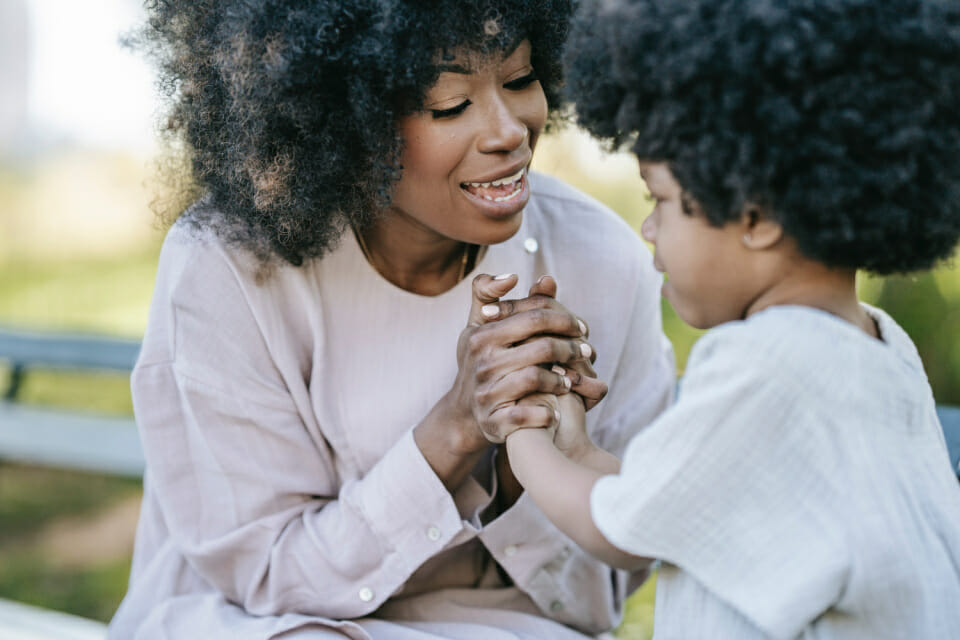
[(522, 82), (452, 111)]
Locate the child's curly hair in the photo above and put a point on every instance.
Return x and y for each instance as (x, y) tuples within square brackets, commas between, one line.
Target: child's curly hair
[(288, 110), (840, 117)]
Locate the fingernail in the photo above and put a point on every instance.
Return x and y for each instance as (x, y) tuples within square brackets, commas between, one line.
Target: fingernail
[(557, 369), (490, 310), (556, 414), (502, 276), (585, 349), (583, 327)]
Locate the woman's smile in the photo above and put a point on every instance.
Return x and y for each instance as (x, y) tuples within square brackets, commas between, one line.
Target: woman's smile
[(501, 197)]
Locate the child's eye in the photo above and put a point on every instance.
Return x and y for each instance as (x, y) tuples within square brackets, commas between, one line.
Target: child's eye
[(652, 199), (522, 82), (452, 111)]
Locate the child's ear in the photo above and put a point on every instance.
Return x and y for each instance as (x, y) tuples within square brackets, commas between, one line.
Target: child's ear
[(760, 230)]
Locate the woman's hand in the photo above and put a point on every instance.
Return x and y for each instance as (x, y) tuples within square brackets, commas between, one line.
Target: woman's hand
[(499, 364), (505, 361), (583, 378)]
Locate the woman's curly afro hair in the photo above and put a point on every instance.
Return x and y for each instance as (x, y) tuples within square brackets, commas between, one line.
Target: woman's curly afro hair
[(840, 117), (288, 110)]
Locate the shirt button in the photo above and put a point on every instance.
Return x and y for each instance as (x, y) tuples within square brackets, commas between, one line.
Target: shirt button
[(366, 594), (433, 533), (510, 550), (556, 606), (531, 245)]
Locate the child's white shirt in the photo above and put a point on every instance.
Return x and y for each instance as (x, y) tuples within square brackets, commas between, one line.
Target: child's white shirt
[(799, 488)]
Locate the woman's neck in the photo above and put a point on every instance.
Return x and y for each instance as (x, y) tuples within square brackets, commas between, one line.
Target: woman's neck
[(413, 257)]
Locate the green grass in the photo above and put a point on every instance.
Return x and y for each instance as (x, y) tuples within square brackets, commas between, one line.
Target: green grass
[(92, 592)]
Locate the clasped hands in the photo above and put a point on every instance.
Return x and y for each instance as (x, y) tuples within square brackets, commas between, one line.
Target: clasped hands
[(522, 364), (526, 363)]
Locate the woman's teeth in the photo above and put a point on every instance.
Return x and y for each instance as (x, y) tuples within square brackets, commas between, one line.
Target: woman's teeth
[(498, 190)]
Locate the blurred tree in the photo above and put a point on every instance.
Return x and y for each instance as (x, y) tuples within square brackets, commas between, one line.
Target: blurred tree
[(932, 319)]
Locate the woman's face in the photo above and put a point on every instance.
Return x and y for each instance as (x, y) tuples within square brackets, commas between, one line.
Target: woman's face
[(466, 154)]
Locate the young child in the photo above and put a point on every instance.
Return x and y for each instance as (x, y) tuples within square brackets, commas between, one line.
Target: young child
[(799, 487)]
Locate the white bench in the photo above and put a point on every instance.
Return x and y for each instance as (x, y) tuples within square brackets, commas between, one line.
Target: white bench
[(63, 439)]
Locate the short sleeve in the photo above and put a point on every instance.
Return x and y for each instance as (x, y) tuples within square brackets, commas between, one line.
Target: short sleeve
[(733, 484)]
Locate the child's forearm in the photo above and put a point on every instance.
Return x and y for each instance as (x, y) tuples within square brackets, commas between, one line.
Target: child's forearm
[(561, 488)]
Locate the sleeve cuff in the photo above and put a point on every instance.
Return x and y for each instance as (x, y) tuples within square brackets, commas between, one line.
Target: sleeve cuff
[(407, 506)]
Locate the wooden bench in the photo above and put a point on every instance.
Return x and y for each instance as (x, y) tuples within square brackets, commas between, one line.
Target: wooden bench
[(109, 444)]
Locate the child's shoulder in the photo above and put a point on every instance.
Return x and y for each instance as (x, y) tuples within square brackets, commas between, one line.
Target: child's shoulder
[(806, 344)]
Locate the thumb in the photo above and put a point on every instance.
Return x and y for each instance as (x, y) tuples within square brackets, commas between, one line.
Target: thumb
[(545, 286), (487, 290)]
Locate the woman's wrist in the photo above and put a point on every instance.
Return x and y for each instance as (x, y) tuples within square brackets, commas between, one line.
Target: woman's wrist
[(449, 442)]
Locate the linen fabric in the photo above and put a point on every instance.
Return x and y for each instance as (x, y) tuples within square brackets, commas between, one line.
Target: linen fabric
[(799, 488), (285, 496)]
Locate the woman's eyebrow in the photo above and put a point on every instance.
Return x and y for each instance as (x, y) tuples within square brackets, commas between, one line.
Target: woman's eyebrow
[(454, 68)]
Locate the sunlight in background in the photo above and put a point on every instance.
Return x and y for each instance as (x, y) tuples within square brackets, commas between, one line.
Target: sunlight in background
[(85, 88)]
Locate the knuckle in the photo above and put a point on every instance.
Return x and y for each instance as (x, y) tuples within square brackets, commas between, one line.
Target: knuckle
[(531, 378), (476, 342), (484, 371), (484, 395), (538, 317), (541, 301), (546, 350)]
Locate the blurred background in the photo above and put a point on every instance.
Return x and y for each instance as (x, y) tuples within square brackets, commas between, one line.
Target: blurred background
[(78, 246)]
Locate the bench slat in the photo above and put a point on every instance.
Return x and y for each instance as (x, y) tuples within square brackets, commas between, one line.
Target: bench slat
[(71, 440), (74, 351), (20, 621)]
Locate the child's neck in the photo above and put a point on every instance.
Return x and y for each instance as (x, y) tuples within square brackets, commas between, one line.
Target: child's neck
[(812, 284)]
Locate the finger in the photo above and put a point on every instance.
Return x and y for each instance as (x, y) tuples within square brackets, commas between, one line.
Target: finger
[(487, 290), (546, 350), (531, 412), (517, 384), (592, 390), (545, 286), (508, 308), (516, 328)]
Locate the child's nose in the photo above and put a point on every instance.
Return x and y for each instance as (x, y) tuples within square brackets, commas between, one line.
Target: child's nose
[(648, 230)]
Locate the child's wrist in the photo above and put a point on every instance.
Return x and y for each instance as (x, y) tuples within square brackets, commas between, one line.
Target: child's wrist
[(581, 450)]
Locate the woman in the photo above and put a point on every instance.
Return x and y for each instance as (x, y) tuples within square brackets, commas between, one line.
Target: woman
[(317, 419)]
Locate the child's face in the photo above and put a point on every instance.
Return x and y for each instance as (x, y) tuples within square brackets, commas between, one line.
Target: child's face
[(708, 268)]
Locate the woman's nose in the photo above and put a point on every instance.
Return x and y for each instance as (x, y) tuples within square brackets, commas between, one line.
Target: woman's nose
[(648, 230), (505, 130)]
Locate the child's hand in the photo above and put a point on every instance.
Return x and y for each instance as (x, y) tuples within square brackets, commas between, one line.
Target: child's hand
[(570, 435)]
